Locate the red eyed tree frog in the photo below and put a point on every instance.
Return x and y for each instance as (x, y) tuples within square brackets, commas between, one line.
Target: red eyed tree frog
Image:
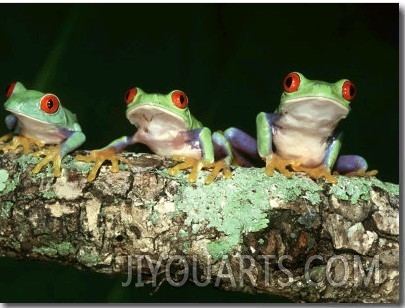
[(164, 123), (301, 133), (39, 119)]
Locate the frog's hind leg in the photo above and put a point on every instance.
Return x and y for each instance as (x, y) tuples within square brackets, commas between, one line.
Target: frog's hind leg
[(223, 155), (353, 165), (217, 158), (243, 146)]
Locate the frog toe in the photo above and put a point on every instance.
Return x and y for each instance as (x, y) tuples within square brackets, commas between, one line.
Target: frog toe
[(98, 157), (20, 141), (196, 165), (6, 138), (53, 155), (186, 163), (217, 168), (275, 162), (316, 173), (361, 173)]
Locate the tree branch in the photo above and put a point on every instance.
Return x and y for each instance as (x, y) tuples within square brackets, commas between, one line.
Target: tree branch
[(309, 241)]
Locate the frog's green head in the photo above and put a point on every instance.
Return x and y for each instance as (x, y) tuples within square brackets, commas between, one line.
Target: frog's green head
[(34, 106), (169, 109), (316, 98)]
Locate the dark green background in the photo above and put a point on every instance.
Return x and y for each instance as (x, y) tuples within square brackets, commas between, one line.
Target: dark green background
[(230, 60)]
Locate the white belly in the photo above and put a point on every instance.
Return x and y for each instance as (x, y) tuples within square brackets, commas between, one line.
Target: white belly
[(45, 132), (306, 148)]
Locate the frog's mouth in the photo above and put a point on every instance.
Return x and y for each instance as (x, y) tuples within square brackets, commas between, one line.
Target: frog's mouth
[(156, 120), (24, 117)]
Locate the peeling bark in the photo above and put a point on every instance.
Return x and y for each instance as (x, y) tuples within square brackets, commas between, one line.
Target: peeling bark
[(290, 237)]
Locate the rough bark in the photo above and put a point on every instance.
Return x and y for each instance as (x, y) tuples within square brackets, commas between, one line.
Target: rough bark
[(309, 241)]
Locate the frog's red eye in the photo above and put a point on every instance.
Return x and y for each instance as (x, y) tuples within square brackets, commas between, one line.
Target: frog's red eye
[(50, 103), (348, 90), (130, 95), (10, 89), (179, 99), (291, 82)]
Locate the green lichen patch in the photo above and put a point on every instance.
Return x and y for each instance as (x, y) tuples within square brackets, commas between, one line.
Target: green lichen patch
[(122, 166), (49, 194), (5, 208), (64, 248), (289, 189), (359, 188), (69, 162), (392, 189), (183, 233), (7, 184), (154, 217), (26, 160), (88, 258), (3, 178), (45, 250), (220, 248), (240, 205)]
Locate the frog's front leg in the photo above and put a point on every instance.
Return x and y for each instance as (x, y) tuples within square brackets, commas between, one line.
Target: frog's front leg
[(216, 155), (244, 147), (109, 152), (324, 169), (199, 138), (55, 154), (265, 125), (348, 165), (223, 157)]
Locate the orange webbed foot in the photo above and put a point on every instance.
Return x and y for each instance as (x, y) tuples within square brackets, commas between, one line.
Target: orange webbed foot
[(196, 165), (17, 141), (359, 173), (315, 173), (275, 162), (99, 157), (52, 154), (186, 163)]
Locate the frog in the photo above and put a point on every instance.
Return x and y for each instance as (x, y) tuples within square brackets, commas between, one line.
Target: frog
[(166, 126), (40, 125), (302, 135)]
